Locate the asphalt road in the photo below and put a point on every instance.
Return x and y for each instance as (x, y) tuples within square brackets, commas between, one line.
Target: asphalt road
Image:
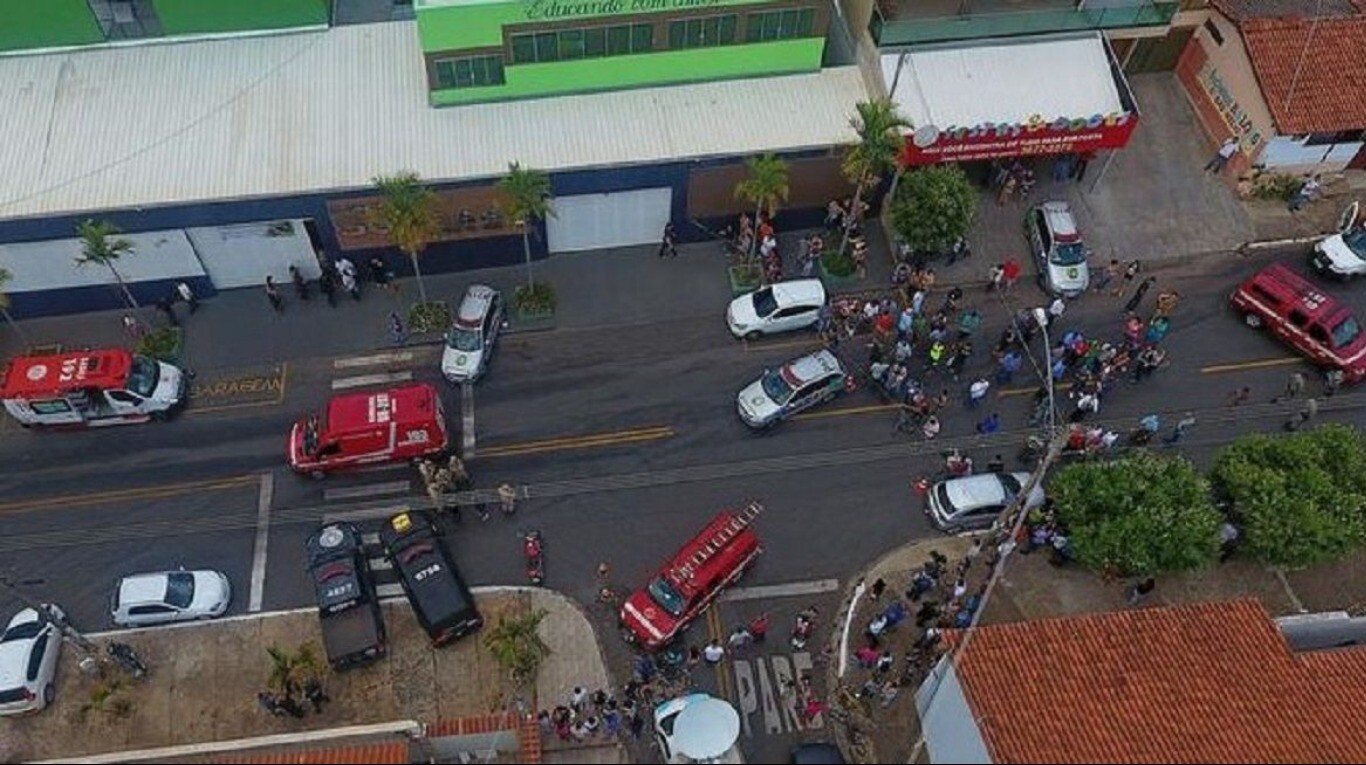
[(626, 441)]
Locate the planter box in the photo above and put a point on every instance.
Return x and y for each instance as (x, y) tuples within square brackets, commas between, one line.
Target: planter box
[(744, 279), (831, 280), (530, 321)]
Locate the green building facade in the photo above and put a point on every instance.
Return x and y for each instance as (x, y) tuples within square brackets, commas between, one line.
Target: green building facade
[(491, 50), (36, 24)]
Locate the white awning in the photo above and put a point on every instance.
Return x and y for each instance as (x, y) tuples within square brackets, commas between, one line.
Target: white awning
[(1001, 81)]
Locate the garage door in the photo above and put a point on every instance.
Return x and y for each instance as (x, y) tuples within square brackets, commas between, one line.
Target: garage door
[(596, 221), (241, 255)]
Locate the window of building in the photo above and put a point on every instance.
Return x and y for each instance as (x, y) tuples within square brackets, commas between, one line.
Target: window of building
[(573, 44), (779, 25), (702, 32), (1213, 32), (470, 72)]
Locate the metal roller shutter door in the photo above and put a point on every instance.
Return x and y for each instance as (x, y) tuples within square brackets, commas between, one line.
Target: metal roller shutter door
[(620, 219)]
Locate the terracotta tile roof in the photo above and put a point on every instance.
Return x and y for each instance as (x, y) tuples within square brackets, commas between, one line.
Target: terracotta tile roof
[(389, 753), (1330, 93), (1241, 10), (1211, 682)]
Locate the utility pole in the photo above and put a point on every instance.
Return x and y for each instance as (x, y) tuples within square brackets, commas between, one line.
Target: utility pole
[(50, 615)]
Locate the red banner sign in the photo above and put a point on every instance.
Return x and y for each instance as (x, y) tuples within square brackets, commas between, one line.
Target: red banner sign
[(927, 146)]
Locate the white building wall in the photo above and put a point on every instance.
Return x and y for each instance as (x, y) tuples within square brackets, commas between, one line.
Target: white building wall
[(1285, 154), (51, 265), (951, 732)]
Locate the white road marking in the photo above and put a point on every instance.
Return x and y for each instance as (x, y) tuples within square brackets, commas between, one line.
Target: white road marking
[(258, 556), (370, 538), (371, 490), (380, 564), (398, 357), (365, 514), (467, 420), (360, 381), (761, 687), (389, 591), (791, 589)]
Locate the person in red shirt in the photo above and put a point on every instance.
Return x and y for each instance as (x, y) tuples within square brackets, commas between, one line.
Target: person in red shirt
[(1010, 272)]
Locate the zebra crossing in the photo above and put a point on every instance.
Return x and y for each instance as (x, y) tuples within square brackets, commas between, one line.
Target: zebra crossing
[(369, 520)]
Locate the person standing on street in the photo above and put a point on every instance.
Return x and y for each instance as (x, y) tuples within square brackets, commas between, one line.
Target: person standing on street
[(273, 295), (1130, 273), (346, 271), (397, 333), (977, 391), (667, 244), (1166, 302), (1332, 380), (1179, 429), (183, 290), (1294, 386), (1137, 299), (1239, 396), (507, 496), (1309, 411), (1221, 157)]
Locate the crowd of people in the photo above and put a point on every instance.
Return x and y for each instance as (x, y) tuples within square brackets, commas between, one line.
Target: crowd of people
[(597, 716)]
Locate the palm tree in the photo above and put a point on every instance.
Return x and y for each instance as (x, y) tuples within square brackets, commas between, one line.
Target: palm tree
[(5, 277), (880, 142), (407, 209), (516, 645), (526, 199), (289, 672), (765, 187), (99, 249)]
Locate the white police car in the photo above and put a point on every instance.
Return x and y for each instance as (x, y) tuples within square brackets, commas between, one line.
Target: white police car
[(470, 342), (797, 385)]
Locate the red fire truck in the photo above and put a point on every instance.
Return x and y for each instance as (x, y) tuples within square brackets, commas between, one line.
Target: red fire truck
[(90, 388), (692, 579)]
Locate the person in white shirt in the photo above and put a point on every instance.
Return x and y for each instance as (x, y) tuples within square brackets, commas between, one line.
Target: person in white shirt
[(713, 652), (1222, 156)]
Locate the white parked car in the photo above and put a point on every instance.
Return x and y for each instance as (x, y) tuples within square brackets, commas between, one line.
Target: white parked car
[(799, 384), (779, 307), (469, 344), (1058, 249), (170, 596), (29, 649), (1343, 254), (975, 501)]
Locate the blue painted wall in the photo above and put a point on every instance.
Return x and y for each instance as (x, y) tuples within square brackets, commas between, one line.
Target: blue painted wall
[(441, 257)]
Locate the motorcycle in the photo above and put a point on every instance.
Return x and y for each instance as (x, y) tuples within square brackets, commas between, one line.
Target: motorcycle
[(535, 559), (128, 659)]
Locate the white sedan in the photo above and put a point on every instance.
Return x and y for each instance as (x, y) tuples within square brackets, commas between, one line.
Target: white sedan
[(29, 649), (170, 596), (779, 307), (1343, 254)]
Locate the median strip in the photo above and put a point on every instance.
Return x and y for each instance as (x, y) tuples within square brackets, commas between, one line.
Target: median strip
[(1279, 361), (579, 442)]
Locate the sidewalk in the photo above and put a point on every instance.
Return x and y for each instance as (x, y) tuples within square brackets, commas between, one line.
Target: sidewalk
[(204, 678), (622, 286)]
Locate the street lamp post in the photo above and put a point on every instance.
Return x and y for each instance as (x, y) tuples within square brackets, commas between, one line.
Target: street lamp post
[(1041, 318), (48, 614)]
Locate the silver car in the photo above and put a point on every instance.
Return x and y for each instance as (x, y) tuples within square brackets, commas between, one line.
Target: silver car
[(1058, 249), (975, 501)]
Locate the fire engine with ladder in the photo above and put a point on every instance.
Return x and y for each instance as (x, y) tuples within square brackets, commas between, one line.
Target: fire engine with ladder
[(690, 581)]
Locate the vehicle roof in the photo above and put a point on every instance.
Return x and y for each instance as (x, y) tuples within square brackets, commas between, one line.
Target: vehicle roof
[(799, 291), (334, 564), (407, 404), (418, 547), (976, 490), (57, 373), (474, 305), (24, 616), (690, 579), (803, 370), (1287, 285), (143, 588), (1058, 216)]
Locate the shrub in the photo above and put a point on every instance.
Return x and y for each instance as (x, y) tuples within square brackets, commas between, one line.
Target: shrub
[(1276, 186), (162, 343), (1143, 514), (837, 263), (1301, 498), (434, 316), (934, 207), (517, 646), (536, 298)]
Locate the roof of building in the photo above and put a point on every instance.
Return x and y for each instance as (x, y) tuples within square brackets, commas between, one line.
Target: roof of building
[(1329, 93), (1002, 81), (1241, 10), (1209, 682), (283, 114), (387, 753)]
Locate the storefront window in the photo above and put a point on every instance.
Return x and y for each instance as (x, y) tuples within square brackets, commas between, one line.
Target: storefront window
[(471, 72), (702, 33), (573, 44), (779, 25)]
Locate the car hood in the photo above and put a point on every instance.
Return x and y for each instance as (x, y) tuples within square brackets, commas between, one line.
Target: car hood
[(170, 384), (1070, 278), (755, 403), (460, 364), (651, 624), (14, 663), (740, 315), (210, 589), (1340, 256)]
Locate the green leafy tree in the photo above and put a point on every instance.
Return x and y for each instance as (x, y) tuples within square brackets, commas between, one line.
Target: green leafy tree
[(5, 278), (881, 139), (934, 207), (407, 209), (765, 186), (289, 671), (1143, 514), (1301, 498), (526, 199), (101, 246), (517, 646)]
